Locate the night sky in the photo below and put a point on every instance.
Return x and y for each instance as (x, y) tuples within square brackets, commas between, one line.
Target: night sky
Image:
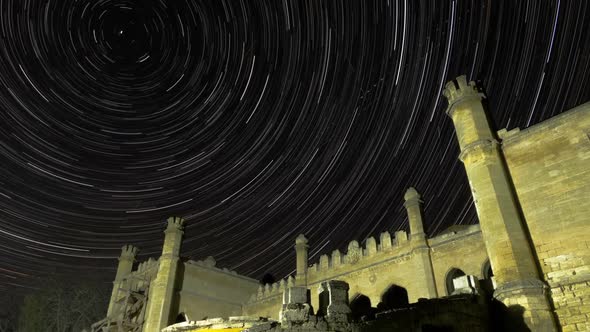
[(255, 120)]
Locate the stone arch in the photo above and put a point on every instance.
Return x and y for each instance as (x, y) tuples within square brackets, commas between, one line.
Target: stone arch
[(360, 305), (452, 274), (393, 297)]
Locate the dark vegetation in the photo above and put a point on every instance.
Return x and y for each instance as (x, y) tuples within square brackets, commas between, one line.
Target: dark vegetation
[(57, 305)]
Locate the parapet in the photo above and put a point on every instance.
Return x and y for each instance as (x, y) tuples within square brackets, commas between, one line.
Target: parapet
[(576, 117), (458, 89), (272, 290), (150, 264), (355, 253), (505, 134), (454, 232), (129, 251), (210, 263)]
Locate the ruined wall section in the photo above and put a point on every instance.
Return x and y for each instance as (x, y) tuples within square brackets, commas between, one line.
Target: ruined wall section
[(208, 291), (268, 299), (371, 270), (550, 167), (463, 249), (368, 270), (140, 278)]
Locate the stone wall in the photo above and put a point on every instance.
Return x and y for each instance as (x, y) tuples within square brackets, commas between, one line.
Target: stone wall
[(265, 303), (371, 270), (267, 299), (459, 247), (208, 291), (550, 167)]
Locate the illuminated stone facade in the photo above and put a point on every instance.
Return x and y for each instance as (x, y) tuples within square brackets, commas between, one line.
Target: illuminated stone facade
[(531, 189)]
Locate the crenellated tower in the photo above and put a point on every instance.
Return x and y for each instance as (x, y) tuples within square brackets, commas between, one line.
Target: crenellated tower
[(505, 237), (301, 248), (126, 260), (162, 289), (420, 248)]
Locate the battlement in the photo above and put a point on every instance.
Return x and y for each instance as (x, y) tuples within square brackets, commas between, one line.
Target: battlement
[(129, 251), (175, 223), (458, 89), (150, 265), (140, 278), (267, 291), (356, 254)]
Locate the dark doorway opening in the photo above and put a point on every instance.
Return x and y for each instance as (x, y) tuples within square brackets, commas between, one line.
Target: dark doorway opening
[(360, 306), (394, 297)]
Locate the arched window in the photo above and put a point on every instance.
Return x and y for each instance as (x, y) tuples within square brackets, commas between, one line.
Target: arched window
[(452, 274), (360, 306), (394, 297)]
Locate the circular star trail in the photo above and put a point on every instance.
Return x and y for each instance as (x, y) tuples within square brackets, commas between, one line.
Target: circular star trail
[(255, 120)]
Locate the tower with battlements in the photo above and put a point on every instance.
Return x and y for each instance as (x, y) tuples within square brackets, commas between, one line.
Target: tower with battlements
[(504, 231), (163, 289)]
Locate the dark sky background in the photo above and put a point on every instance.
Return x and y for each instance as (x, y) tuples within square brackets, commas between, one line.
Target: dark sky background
[(255, 120)]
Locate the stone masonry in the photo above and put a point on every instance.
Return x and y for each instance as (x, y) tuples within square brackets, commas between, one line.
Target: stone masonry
[(530, 251)]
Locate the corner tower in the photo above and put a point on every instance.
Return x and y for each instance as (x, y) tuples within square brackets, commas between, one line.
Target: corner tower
[(126, 260), (162, 289), (517, 277)]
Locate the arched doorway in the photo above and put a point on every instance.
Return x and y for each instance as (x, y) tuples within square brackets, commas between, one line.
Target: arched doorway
[(360, 306), (452, 274), (394, 297)]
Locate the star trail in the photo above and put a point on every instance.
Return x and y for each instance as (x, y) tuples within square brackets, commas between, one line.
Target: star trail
[(255, 120)]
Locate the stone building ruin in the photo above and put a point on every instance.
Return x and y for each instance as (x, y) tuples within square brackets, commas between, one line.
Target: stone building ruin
[(530, 252)]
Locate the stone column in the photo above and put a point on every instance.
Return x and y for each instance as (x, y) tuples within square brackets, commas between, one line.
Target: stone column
[(505, 237), (420, 248), (301, 253), (128, 253), (162, 289)]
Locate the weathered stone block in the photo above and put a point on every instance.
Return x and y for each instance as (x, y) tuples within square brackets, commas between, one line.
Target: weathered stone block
[(337, 310), (295, 295), (385, 240), (295, 313), (401, 237), (466, 285), (370, 246)]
